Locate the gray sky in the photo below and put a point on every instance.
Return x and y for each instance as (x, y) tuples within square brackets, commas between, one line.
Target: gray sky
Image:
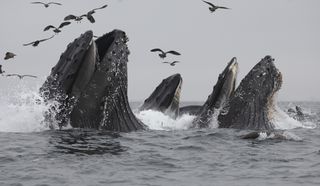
[(286, 29)]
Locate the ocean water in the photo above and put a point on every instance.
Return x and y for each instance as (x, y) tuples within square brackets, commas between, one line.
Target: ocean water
[(168, 154)]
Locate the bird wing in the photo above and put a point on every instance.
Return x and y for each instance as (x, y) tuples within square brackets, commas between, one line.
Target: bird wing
[(46, 39), (28, 76), (37, 3), (156, 50), (175, 62), (104, 6), (10, 54), (209, 3), (69, 17), (90, 12), (13, 75), (173, 52), (28, 43), (48, 27), (165, 62), (64, 24), (90, 18), (222, 7), (54, 3)]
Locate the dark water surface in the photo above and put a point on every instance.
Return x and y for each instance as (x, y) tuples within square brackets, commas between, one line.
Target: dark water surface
[(158, 157)]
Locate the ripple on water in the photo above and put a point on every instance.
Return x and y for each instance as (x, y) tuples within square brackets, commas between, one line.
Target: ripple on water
[(86, 142)]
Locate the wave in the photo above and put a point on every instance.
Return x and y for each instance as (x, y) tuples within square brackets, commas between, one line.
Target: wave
[(156, 120)]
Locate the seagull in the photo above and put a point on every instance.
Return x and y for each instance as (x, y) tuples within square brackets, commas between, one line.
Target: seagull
[(163, 54), (36, 43), (21, 76), (214, 7), (9, 55), (88, 15), (172, 63), (55, 29), (1, 71), (46, 4), (76, 18)]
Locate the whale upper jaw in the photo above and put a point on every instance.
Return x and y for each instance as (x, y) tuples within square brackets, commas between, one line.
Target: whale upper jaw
[(166, 97), (252, 105), (67, 76), (220, 95)]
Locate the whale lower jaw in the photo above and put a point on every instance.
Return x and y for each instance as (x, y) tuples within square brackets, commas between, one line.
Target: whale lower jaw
[(219, 97)]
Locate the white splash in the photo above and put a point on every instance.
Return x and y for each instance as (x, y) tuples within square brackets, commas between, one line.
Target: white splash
[(284, 135), (156, 120), (283, 121), (21, 109)]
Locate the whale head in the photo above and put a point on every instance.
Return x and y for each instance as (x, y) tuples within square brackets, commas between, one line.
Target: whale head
[(166, 97), (252, 105), (90, 81)]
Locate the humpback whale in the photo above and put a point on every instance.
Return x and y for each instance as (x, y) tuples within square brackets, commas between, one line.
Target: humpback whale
[(219, 97), (252, 105), (90, 83), (166, 97)]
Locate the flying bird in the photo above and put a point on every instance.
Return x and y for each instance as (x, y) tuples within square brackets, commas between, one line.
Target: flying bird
[(163, 54), (55, 29), (9, 55), (172, 63), (88, 15), (46, 4), (1, 71), (36, 43), (73, 17), (21, 76), (213, 7)]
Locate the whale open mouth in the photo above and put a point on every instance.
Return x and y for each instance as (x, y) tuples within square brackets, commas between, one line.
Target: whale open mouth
[(90, 82)]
